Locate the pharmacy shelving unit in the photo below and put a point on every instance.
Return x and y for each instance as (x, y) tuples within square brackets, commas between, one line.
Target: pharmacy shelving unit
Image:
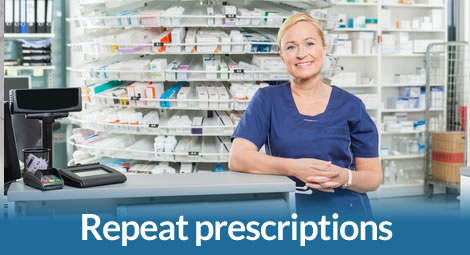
[(11, 71), (29, 35), (145, 133), (382, 67)]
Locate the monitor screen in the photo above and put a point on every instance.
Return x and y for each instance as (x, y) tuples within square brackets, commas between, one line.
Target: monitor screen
[(45, 100), (11, 165)]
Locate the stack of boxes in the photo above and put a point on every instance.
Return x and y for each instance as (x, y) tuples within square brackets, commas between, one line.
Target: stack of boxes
[(403, 45), (363, 43)]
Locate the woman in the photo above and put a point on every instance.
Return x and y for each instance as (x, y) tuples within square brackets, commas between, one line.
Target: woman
[(320, 135)]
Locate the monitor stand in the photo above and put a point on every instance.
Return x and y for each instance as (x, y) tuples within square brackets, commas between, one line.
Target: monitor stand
[(47, 120)]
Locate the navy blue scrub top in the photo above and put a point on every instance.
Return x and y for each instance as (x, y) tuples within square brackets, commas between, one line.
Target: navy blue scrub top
[(343, 131)]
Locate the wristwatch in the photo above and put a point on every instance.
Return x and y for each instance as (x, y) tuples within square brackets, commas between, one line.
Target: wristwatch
[(349, 183)]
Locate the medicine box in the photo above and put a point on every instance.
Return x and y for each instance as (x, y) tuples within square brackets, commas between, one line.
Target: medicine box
[(158, 66), (210, 12), (150, 21), (182, 96), (223, 97), (213, 97), (201, 93), (410, 91), (154, 91), (230, 13)]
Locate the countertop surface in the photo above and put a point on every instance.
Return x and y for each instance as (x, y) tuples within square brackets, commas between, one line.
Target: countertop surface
[(162, 185)]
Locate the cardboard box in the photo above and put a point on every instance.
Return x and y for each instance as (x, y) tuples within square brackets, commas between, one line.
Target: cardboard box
[(448, 155)]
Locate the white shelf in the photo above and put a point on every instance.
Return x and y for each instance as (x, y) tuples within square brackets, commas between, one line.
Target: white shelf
[(409, 110), (28, 35), (354, 55), (402, 157), (346, 4), (414, 5), (194, 75), (355, 30), (415, 30), (391, 85), (217, 130), (184, 53), (184, 20), (420, 55), (401, 132), (151, 155), (233, 104), (29, 67), (149, 48), (182, 25), (398, 190), (357, 86)]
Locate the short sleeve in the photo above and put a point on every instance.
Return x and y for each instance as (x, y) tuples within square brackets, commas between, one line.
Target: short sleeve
[(255, 122), (364, 136)]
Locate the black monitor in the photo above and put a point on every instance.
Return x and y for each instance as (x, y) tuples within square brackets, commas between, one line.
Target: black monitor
[(12, 170), (53, 100)]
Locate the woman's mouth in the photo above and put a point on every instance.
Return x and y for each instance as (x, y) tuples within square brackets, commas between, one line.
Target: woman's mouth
[(304, 64)]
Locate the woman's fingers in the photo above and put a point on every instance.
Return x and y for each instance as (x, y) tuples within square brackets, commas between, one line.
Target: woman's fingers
[(318, 179), (319, 187), (325, 173), (329, 185)]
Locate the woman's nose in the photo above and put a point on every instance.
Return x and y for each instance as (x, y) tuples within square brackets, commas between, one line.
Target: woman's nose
[(301, 53)]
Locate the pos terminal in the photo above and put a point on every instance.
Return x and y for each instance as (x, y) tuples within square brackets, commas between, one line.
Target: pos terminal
[(45, 105), (48, 105)]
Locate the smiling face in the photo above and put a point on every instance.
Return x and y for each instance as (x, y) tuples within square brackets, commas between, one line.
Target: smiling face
[(302, 51)]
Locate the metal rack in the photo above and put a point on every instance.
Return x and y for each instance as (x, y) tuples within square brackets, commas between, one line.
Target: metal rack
[(448, 64)]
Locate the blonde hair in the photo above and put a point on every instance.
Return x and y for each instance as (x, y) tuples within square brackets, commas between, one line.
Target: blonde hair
[(294, 19)]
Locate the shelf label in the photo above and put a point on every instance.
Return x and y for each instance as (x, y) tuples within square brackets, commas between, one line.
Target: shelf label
[(238, 70), (135, 98), (231, 16), (158, 44), (193, 153), (153, 125)]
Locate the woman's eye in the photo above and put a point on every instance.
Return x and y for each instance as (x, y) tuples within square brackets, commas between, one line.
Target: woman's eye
[(291, 47), (310, 44)]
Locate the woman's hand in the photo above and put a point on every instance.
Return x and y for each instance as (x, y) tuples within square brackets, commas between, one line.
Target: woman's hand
[(340, 177), (306, 168)]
